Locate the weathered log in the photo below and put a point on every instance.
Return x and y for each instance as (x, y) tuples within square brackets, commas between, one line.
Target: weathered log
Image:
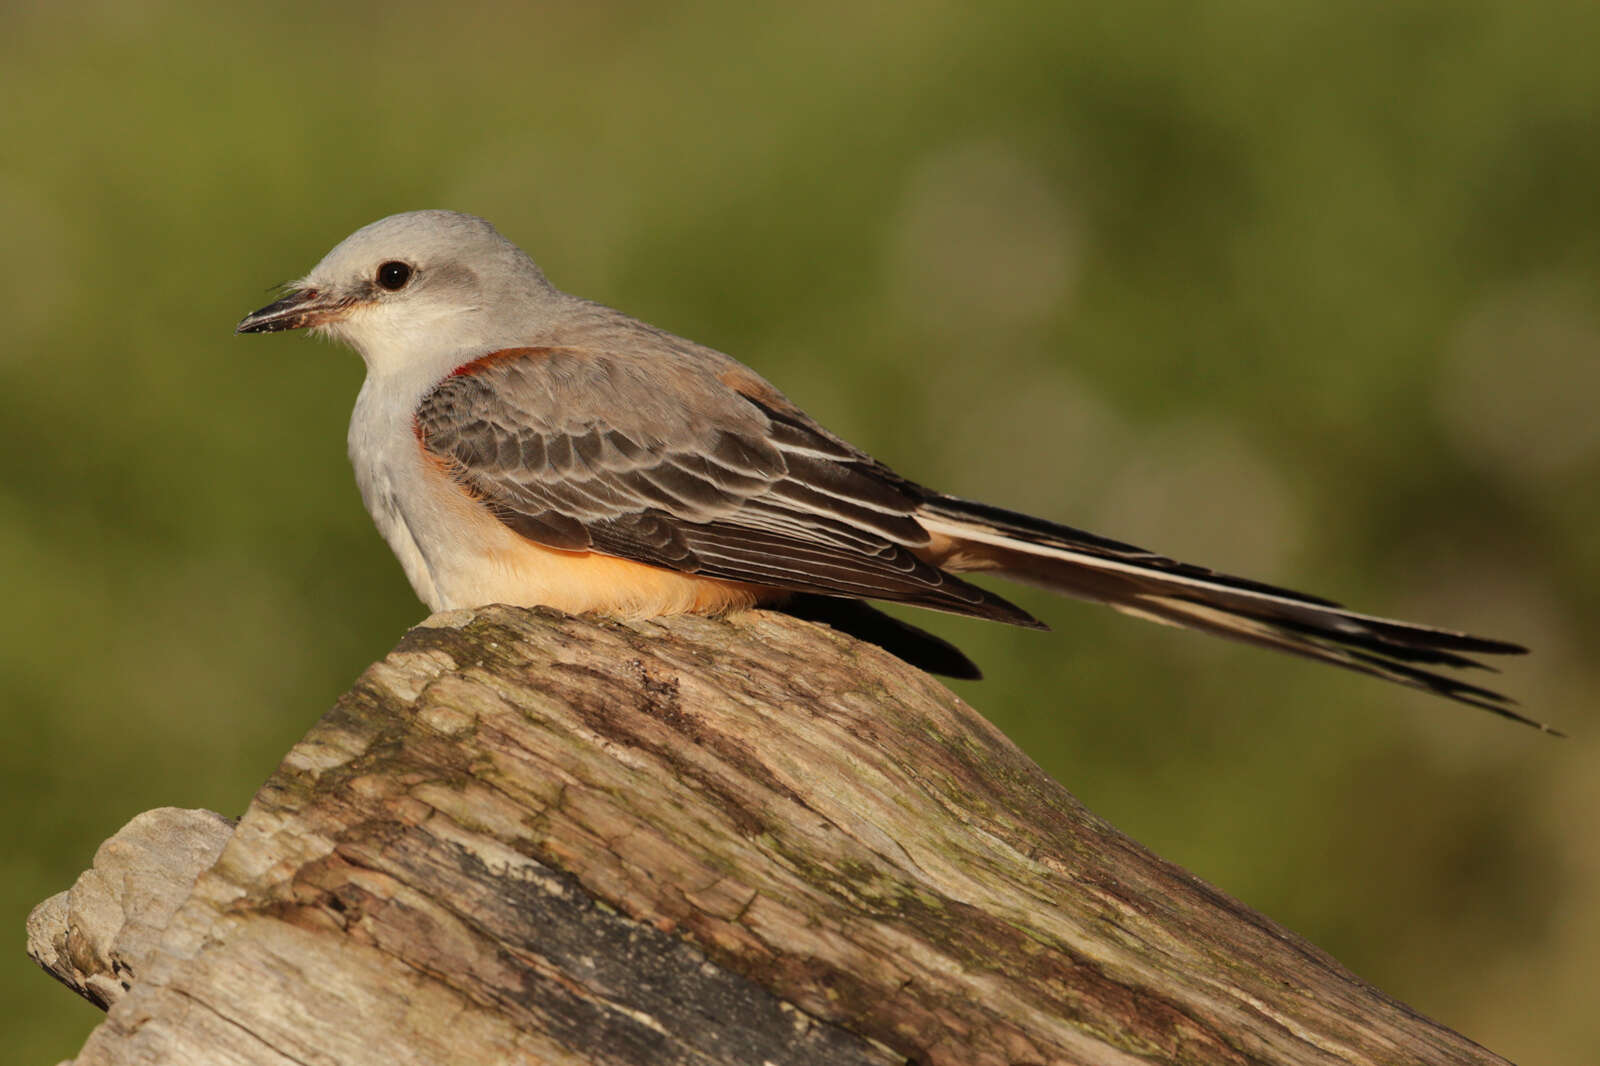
[(95, 936), (525, 837)]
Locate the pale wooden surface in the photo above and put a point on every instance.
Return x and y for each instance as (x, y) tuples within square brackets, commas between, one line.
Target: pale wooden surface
[(529, 837), (96, 936)]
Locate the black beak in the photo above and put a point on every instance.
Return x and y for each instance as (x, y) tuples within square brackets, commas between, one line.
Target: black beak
[(303, 307)]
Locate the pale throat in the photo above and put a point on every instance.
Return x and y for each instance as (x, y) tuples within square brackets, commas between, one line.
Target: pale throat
[(409, 350)]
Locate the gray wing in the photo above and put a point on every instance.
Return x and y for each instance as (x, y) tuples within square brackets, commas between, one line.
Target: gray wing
[(671, 465)]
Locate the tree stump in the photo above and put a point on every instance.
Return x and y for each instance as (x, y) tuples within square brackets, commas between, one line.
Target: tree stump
[(527, 837)]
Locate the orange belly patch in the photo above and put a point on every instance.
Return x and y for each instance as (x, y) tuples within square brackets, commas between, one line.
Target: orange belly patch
[(575, 582), (486, 562)]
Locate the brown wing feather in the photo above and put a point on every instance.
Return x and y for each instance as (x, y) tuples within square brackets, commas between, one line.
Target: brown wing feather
[(580, 450)]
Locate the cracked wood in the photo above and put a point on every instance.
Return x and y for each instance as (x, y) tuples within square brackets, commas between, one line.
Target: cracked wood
[(527, 837)]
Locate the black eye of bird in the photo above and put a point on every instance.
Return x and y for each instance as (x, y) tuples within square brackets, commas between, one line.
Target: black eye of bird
[(393, 275)]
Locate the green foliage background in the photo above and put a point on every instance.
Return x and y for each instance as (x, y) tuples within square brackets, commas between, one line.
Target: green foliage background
[(1303, 290)]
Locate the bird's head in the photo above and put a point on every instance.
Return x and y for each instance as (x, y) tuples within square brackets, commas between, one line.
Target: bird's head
[(419, 285)]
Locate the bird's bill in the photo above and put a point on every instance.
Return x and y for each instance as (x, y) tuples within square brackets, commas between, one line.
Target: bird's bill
[(297, 310)]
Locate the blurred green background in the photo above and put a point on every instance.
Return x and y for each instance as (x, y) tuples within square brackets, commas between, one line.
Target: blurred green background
[(1303, 290)]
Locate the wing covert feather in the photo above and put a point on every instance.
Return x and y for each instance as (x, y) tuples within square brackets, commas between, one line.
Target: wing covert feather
[(583, 450)]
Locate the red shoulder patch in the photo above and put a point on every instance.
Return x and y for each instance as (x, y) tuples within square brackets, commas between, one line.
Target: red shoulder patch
[(747, 384), (483, 362)]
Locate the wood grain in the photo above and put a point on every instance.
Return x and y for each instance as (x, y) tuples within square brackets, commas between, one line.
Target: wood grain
[(528, 837)]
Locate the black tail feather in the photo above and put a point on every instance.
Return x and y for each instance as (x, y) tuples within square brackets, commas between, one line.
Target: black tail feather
[(901, 639), (1153, 586)]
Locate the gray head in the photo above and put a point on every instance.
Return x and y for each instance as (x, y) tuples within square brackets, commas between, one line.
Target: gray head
[(414, 283)]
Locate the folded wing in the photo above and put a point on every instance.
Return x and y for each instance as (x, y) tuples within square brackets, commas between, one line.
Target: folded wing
[(581, 451), (697, 466)]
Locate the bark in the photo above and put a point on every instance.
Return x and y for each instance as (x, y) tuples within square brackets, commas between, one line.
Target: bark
[(526, 837)]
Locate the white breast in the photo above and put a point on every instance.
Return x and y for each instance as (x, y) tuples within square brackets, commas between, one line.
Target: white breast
[(388, 466)]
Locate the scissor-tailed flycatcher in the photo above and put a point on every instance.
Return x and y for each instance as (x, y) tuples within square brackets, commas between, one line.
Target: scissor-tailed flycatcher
[(519, 445)]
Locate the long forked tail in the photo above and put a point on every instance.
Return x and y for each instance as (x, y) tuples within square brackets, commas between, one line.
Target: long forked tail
[(1142, 583)]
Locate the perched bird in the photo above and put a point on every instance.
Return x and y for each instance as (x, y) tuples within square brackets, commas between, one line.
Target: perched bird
[(519, 445)]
